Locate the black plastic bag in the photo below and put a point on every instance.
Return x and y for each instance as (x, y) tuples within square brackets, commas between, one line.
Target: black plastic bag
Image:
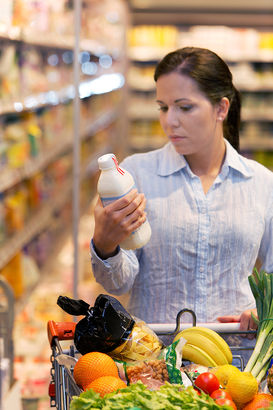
[(105, 326)]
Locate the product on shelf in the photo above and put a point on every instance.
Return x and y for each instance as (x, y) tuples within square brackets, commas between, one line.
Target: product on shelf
[(13, 273), (16, 208), (9, 73), (18, 148), (153, 36)]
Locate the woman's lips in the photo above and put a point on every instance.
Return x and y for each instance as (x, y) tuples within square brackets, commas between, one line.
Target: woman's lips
[(177, 137)]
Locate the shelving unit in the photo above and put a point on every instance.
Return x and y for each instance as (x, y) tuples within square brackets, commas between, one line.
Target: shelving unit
[(48, 110)]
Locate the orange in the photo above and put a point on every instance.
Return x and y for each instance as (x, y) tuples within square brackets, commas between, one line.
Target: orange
[(260, 400), (93, 365), (106, 384)]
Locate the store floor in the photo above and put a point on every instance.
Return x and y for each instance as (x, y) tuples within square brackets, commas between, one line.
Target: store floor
[(32, 351)]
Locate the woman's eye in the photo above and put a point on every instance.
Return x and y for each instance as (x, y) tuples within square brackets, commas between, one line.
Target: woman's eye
[(164, 109), (186, 107)]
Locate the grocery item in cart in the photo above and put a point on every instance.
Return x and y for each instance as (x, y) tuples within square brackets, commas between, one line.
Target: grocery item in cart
[(157, 370), (140, 344), (107, 327)]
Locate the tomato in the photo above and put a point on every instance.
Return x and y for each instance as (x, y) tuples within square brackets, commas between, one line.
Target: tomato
[(220, 394), (207, 382), (226, 402)]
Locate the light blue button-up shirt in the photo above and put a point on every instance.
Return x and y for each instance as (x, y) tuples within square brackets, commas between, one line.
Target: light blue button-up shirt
[(203, 247)]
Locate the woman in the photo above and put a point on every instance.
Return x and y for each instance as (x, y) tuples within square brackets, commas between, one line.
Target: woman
[(210, 209)]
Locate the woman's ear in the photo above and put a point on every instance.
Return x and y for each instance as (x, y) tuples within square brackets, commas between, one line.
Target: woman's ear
[(222, 110)]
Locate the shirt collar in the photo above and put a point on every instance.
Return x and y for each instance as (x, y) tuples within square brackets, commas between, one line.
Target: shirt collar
[(171, 161), (236, 161)]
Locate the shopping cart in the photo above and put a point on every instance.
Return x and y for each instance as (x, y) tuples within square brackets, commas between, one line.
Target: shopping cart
[(63, 387)]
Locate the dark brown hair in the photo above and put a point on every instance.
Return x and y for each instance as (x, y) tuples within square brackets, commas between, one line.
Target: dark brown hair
[(214, 79)]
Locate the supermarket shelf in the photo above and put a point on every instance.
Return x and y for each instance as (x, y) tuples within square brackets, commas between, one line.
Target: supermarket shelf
[(34, 225), (266, 87), (192, 12), (40, 100), (149, 87), (263, 115), (42, 218), (148, 111), (103, 121), (256, 144), (141, 143), (153, 54), (89, 167), (51, 40), (99, 84), (11, 177)]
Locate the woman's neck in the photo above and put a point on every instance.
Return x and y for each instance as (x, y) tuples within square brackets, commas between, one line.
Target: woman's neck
[(207, 165)]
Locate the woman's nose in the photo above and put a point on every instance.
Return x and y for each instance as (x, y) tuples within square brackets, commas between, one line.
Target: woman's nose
[(172, 119)]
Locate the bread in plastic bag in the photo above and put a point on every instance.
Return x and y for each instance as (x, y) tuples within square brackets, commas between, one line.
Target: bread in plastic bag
[(142, 343)]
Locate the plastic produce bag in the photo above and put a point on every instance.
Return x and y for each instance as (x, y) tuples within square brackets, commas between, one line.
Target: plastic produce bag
[(140, 344), (155, 371), (105, 326)]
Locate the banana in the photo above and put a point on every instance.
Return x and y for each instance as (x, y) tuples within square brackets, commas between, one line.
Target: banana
[(211, 335), (206, 345), (196, 355)]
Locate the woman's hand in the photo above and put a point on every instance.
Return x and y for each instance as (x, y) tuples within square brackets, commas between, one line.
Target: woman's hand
[(245, 319), (116, 221)]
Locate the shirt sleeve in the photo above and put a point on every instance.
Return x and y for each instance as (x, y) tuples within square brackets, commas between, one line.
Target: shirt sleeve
[(266, 248), (117, 273)]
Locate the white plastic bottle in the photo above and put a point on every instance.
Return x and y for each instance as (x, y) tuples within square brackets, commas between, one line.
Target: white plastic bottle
[(115, 182)]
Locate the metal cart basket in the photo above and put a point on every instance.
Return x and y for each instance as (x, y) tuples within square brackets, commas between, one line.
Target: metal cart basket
[(63, 387)]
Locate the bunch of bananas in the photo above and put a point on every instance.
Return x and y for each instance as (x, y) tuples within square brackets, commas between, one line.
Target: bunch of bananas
[(204, 346)]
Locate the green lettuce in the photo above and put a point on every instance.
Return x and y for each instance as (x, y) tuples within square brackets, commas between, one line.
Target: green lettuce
[(138, 397)]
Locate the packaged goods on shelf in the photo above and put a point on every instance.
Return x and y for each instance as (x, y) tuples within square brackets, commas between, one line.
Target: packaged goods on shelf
[(9, 73), (13, 273), (147, 42)]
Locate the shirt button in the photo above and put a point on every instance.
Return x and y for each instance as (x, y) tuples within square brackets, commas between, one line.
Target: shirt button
[(201, 269)]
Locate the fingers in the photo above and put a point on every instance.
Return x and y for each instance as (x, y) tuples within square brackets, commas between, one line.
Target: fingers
[(131, 198), (127, 209), (229, 319), (117, 220), (247, 322)]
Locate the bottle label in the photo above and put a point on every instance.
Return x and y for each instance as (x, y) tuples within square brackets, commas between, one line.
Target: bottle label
[(108, 200), (120, 170)]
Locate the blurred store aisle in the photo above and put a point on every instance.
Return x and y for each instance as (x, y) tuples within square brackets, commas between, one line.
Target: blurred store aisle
[(32, 350)]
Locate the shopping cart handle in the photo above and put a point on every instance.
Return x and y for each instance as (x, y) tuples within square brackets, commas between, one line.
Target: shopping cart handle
[(60, 330), (218, 327)]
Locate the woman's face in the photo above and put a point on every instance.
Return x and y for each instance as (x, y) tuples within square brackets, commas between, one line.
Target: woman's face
[(187, 117)]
